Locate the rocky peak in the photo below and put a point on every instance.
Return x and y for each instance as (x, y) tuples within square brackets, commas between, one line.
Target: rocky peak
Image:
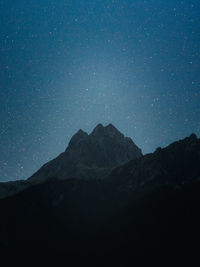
[(107, 131), (112, 131), (79, 136), (98, 130)]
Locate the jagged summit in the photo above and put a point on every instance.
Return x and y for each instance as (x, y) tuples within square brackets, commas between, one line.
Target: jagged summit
[(104, 148), (98, 130), (108, 130)]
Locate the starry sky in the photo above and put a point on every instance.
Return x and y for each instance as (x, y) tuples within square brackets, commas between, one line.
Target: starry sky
[(71, 64)]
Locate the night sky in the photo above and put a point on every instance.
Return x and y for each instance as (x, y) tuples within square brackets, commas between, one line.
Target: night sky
[(71, 64)]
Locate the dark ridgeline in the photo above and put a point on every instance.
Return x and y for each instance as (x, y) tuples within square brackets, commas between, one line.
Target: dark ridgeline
[(144, 211)]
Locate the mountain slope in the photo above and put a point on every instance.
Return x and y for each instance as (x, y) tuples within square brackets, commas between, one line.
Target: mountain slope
[(175, 165)]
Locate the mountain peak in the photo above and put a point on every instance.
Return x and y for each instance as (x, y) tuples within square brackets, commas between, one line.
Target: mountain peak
[(80, 135), (193, 137), (108, 130), (110, 125), (98, 129)]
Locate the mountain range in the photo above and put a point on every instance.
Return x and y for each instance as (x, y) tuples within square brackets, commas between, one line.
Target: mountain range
[(102, 196)]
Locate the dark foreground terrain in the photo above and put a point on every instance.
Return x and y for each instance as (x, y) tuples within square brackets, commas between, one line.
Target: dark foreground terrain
[(146, 212), (162, 227)]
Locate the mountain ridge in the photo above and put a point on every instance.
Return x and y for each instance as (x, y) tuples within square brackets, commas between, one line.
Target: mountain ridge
[(13, 187)]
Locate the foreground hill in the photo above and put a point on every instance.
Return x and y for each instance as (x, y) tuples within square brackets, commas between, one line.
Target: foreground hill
[(145, 211)]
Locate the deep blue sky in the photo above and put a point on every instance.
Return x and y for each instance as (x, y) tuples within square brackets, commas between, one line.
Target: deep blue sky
[(71, 64)]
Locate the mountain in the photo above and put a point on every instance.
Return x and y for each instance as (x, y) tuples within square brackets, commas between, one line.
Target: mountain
[(87, 156), (146, 211), (92, 155)]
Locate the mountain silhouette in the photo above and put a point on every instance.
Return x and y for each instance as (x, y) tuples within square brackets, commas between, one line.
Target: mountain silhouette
[(145, 210), (92, 155)]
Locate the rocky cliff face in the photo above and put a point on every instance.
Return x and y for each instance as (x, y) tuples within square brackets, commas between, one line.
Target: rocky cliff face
[(91, 155)]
